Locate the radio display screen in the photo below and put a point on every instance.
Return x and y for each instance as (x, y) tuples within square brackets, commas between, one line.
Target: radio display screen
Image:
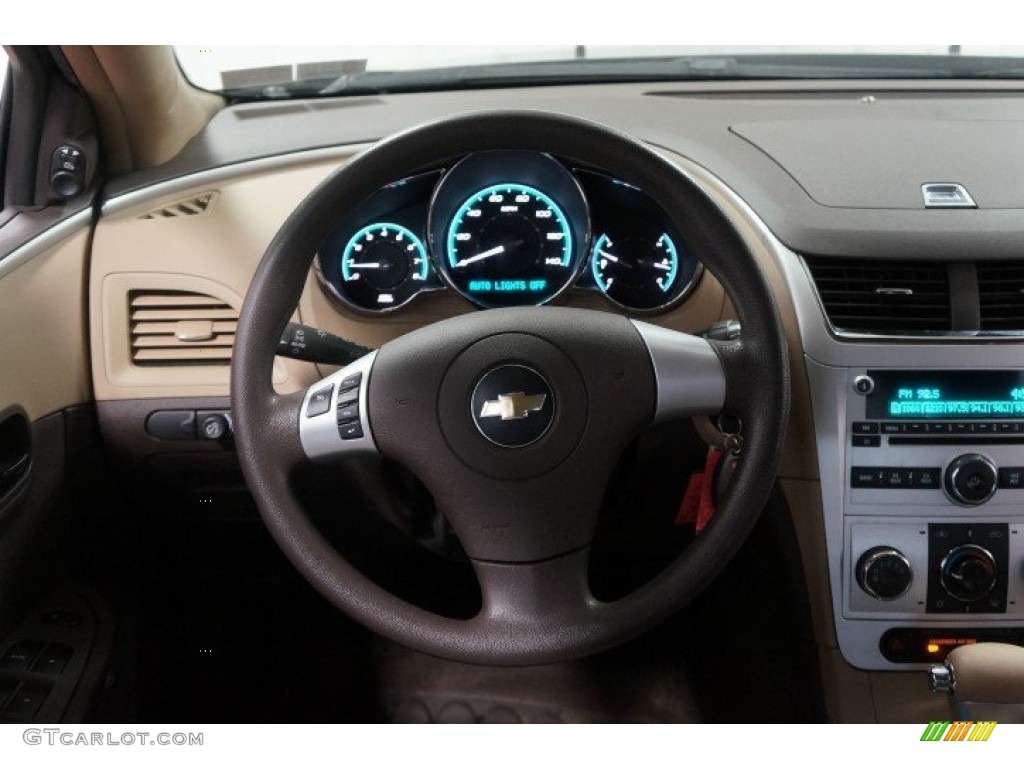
[(946, 395)]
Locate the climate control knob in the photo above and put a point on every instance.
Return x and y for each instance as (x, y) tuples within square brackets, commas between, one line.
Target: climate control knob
[(970, 479), (968, 572), (884, 573)]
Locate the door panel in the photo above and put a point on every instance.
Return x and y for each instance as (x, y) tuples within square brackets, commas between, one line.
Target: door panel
[(43, 330)]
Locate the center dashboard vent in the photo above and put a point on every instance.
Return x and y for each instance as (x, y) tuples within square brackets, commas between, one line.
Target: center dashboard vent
[(174, 328), (1001, 295), (883, 297)]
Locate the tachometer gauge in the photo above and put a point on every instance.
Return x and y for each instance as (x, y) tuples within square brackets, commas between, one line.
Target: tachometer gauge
[(383, 266), (636, 272), (509, 228)]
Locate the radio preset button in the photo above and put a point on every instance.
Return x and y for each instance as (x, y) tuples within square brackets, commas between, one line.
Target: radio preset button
[(866, 477)]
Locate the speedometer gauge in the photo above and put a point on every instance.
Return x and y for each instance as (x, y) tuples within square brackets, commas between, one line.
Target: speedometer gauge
[(509, 228), (510, 244)]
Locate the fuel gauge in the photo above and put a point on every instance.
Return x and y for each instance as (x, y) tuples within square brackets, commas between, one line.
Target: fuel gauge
[(639, 272)]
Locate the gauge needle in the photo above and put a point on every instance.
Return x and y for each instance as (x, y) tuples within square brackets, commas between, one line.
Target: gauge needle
[(364, 265), (481, 256), (609, 256)]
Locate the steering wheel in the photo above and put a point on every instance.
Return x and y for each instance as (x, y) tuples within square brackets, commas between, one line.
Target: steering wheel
[(515, 418)]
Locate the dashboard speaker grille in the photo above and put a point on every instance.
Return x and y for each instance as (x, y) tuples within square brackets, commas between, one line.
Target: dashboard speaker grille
[(174, 328), (883, 297), (1001, 295)]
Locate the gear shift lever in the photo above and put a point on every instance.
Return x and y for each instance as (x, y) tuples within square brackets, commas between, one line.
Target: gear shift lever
[(984, 681)]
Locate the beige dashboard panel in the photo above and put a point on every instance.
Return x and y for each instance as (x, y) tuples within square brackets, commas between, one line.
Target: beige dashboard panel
[(43, 335), (167, 242)]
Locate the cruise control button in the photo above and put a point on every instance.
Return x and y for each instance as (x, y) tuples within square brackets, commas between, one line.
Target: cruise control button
[(320, 402)]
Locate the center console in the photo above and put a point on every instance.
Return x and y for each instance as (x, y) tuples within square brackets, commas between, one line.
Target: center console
[(933, 539), (921, 458)]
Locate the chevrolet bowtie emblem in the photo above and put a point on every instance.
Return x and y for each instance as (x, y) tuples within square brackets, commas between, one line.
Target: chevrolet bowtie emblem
[(515, 405)]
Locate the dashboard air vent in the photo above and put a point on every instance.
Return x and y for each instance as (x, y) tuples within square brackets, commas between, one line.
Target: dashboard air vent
[(884, 297), (172, 328), (1001, 295), (192, 206)]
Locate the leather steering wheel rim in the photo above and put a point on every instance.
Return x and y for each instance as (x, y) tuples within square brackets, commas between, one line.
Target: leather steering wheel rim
[(535, 610)]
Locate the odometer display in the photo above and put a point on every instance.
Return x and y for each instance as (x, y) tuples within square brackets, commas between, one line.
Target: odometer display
[(509, 244)]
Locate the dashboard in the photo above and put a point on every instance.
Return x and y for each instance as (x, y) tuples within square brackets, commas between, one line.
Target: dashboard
[(903, 461), (504, 229)]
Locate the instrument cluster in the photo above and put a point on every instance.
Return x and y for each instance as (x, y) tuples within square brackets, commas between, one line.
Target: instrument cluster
[(508, 229)]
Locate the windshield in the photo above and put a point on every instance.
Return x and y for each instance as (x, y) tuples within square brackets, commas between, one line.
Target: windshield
[(252, 72)]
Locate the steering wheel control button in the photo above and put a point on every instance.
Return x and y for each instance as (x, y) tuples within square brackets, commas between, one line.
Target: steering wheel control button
[(971, 479), (351, 431), (351, 380), (348, 433), (513, 406), (884, 573), (348, 413), (320, 402), (968, 573)]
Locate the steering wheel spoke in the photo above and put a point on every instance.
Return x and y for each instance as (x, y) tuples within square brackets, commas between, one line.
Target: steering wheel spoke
[(688, 373), (333, 417), (534, 597)]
